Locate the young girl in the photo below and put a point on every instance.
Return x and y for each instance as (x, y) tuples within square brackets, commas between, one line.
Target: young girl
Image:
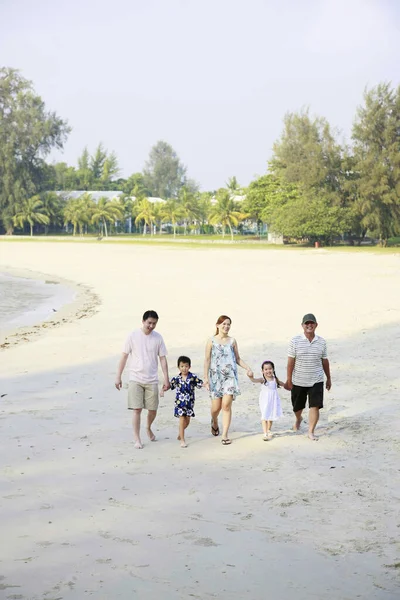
[(270, 403)]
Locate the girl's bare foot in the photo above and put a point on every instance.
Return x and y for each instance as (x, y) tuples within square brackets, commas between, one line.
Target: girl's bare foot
[(269, 435), (138, 445), (183, 444), (265, 437)]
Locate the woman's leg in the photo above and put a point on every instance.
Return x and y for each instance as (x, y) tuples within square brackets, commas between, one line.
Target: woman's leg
[(216, 404), (226, 415)]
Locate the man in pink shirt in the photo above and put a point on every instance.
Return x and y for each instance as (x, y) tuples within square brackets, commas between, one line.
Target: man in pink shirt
[(144, 347)]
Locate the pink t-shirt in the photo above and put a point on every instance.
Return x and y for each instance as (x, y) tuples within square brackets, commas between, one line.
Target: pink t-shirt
[(144, 351)]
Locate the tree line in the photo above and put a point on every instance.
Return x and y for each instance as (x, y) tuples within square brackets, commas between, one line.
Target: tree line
[(316, 187)]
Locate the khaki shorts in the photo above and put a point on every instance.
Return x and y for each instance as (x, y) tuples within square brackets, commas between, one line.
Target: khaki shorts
[(143, 395)]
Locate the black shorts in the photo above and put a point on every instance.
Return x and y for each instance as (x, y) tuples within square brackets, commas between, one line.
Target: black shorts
[(315, 396)]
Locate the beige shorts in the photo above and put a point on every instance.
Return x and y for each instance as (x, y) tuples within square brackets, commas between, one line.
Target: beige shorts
[(143, 395)]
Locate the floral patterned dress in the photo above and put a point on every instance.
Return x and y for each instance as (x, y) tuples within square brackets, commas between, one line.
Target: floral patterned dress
[(184, 399), (223, 375)]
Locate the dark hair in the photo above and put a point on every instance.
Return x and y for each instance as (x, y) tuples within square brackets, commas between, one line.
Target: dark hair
[(269, 362), (184, 359), (150, 314), (220, 320)]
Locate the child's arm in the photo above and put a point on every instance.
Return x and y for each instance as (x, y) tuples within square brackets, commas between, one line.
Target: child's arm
[(256, 379), (281, 383), (197, 382)]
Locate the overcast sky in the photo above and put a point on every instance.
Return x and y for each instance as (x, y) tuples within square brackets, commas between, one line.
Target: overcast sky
[(213, 78)]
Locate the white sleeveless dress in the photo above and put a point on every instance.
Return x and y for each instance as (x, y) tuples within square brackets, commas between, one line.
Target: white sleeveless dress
[(270, 403)]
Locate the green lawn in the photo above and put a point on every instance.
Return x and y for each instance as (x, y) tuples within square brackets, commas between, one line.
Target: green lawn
[(190, 241)]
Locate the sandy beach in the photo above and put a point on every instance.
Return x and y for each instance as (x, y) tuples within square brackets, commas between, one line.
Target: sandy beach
[(84, 514)]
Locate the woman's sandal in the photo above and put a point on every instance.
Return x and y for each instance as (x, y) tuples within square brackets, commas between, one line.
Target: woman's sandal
[(226, 442), (214, 430)]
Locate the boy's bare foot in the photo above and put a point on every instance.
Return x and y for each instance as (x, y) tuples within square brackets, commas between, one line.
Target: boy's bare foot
[(138, 445), (151, 435), (183, 444), (312, 437), (297, 424)]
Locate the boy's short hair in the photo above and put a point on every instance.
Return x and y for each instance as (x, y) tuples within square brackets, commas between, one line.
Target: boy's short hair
[(150, 314), (184, 359)]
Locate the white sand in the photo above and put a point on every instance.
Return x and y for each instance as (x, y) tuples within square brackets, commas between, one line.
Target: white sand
[(85, 515)]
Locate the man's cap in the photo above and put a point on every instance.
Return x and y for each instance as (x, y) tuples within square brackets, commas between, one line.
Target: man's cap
[(309, 317)]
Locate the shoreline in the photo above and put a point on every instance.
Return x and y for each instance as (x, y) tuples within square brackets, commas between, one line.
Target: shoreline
[(83, 305)]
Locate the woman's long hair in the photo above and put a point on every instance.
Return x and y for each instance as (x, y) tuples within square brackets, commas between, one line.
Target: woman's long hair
[(269, 362), (220, 320)]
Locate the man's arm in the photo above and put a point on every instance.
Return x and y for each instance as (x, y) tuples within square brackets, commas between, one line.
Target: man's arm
[(325, 366), (120, 369), (164, 367), (289, 373)]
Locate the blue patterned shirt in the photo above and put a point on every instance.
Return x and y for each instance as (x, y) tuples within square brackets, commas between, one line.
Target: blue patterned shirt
[(184, 399)]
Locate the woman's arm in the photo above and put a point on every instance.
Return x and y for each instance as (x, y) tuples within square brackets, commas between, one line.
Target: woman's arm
[(207, 362), (241, 362)]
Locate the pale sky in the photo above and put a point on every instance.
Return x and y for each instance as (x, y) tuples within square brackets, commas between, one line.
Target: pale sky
[(213, 78)]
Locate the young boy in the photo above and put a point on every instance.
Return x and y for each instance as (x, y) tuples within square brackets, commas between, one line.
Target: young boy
[(184, 384)]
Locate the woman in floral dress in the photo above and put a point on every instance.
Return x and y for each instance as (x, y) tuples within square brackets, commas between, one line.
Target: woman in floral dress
[(220, 375)]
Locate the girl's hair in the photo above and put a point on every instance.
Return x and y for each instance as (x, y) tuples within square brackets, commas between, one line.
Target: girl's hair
[(269, 362), (220, 320)]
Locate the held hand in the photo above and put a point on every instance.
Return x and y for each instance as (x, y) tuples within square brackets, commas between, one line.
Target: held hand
[(328, 384), (118, 383), (250, 374), (288, 385), (166, 386)]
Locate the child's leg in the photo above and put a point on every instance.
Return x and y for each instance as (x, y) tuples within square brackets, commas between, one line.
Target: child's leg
[(182, 427), (187, 422), (264, 426), (269, 427)]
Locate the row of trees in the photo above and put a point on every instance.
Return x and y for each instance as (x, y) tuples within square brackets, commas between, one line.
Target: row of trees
[(193, 211), (316, 187)]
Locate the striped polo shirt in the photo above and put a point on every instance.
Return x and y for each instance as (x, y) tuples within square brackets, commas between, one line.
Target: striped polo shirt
[(308, 360)]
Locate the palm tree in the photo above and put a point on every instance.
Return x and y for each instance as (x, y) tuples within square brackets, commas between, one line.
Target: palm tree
[(31, 211), (106, 210), (225, 212), (78, 211), (145, 212), (172, 211), (233, 186), (52, 207), (158, 215), (190, 204)]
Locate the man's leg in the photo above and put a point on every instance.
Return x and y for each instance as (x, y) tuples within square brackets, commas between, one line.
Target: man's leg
[(313, 417), (315, 402), (151, 403), (151, 415), (136, 428), (298, 421)]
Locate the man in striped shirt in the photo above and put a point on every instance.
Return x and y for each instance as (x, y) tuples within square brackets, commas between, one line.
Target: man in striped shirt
[(307, 363)]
